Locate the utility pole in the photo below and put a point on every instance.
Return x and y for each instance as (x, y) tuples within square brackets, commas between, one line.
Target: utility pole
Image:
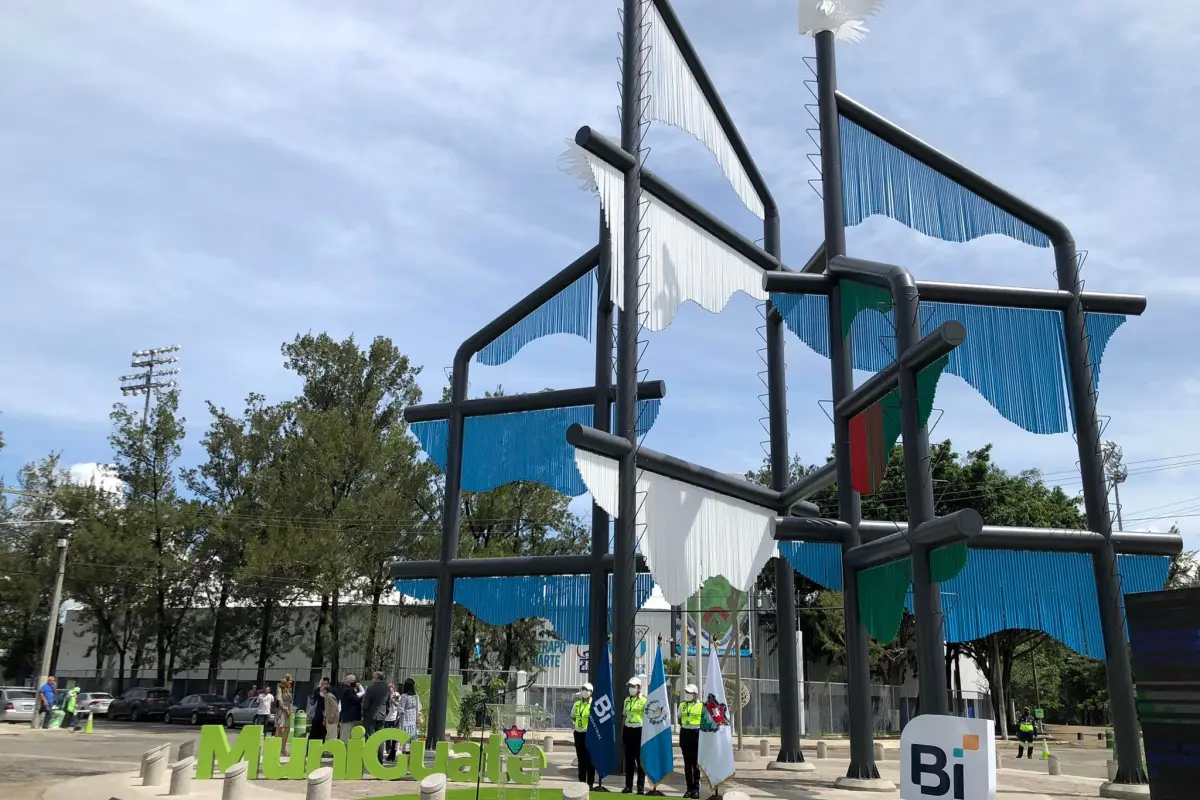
[(55, 602), (1116, 473), (144, 382)]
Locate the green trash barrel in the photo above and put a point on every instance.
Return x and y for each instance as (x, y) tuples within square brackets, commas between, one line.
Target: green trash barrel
[(299, 724)]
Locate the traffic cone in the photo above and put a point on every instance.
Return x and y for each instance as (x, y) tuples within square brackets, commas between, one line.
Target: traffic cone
[(1045, 750), (87, 726)]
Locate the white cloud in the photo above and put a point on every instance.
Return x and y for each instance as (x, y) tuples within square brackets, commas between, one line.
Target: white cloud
[(225, 175), (100, 476)]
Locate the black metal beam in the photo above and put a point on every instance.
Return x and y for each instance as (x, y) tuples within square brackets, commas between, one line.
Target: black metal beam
[(810, 484), (614, 447), (507, 566), (938, 532), (929, 349), (531, 401), (816, 262), (610, 152), (970, 294), (993, 537)]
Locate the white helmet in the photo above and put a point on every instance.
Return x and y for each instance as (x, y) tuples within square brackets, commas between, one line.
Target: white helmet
[(691, 689), (587, 687), (635, 681)]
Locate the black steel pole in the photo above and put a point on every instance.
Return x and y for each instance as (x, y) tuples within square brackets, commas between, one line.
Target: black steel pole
[(785, 576), (602, 420), (624, 540), (862, 753)]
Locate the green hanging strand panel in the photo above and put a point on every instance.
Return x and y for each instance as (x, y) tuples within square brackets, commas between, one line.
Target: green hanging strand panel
[(881, 593), (858, 297)]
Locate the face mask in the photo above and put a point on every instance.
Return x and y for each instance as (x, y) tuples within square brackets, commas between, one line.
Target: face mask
[(690, 696), (632, 691)]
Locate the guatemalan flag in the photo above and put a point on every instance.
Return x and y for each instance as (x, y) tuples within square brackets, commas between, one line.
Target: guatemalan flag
[(657, 756), (602, 726)]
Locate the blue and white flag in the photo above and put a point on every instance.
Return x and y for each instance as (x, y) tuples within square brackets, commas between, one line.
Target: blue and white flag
[(602, 721), (657, 756)]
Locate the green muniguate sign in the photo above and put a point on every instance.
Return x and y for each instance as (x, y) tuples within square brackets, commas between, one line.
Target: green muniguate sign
[(459, 763)]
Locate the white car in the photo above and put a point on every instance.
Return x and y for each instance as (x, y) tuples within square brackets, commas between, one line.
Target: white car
[(95, 702), (16, 704)]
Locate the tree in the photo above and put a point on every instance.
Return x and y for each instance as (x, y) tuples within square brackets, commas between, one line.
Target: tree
[(344, 446)]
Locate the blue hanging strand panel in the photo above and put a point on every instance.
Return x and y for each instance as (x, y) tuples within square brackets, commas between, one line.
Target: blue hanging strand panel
[(878, 178), (573, 310)]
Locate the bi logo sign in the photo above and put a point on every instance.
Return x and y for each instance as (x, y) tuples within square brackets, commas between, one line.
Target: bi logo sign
[(948, 757)]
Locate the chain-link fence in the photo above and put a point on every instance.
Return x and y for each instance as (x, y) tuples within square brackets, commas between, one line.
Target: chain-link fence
[(825, 707)]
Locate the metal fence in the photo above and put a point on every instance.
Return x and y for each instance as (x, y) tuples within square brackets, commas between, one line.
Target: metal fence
[(825, 706)]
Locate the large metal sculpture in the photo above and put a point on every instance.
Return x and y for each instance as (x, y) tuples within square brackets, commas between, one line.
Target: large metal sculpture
[(863, 159)]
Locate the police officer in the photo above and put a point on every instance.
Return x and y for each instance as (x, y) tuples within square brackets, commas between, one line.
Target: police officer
[(1025, 728), (690, 712), (579, 717), (631, 736)]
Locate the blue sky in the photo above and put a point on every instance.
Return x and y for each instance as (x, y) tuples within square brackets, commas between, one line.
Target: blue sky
[(223, 175)]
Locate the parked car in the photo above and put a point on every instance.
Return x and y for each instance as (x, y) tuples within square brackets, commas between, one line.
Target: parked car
[(17, 704), (242, 714), (95, 702), (140, 703), (199, 708)]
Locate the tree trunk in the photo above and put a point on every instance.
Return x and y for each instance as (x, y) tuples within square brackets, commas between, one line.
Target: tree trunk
[(120, 673), (370, 662), (335, 635), (99, 652), (264, 640), (215, 649), (317, 664)]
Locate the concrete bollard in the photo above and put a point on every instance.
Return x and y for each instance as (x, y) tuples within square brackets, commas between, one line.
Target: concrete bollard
[(575, 791), (764, 748), (320, 783), (999, 759), (548, 744), (1079, 736), (1052, 766), (433, 787), (181, 777), (186, 750), (735, 796), (154, 766), (822, 750), (146, 757), (879, 751), (233, 787), (1111, 766)]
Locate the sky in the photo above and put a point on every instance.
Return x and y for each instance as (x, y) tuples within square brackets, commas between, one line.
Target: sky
[(225, 175)]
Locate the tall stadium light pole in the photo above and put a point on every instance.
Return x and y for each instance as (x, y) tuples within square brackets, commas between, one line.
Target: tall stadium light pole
[(144, 382), (1116, 472)]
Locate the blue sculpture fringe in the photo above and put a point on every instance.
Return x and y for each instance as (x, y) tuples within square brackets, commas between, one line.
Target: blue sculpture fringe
[(562, 600), (878, 178), (1009, 590), (573, 310), (1013, 357), (523, 446), (820, 562)]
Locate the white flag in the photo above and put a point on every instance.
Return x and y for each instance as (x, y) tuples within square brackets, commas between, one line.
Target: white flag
[(716, 735)]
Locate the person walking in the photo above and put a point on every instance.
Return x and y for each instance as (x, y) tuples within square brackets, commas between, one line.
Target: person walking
[(631, 736), (580, 712), (350, 708), (690, 712), (46, 700), (263, 715), (392, 720), (1025, 730), (71, 707), (409, 717), (283, 710)]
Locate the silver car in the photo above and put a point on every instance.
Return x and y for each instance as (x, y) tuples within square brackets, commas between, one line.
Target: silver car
[(17, 705), (242, 714), (95, 702)]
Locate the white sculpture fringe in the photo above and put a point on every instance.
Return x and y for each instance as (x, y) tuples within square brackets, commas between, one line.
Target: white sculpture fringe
[(683, 261), (846, 18), (676, 99), (691, 534)]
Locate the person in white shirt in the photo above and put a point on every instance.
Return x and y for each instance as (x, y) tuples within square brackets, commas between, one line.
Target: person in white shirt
[(265, 711)]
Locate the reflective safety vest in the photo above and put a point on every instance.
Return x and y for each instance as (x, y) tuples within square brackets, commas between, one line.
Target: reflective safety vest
[(69, 705), (690, 713), (580, 713), (635, 708), (1026, 727)]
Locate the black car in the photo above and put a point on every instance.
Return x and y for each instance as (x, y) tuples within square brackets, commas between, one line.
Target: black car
[(199, 708), (140, 703)]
